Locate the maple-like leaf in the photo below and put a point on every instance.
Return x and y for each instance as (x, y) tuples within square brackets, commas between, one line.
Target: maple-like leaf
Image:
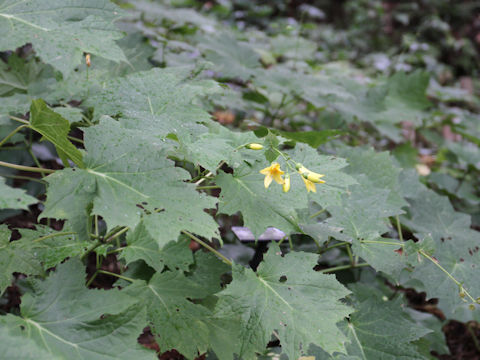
[(287, 296), (158, 102), (178, 322), (61, 31), (128, 177), (68, 321)]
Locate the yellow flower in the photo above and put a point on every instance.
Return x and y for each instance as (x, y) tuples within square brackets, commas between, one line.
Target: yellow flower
[(309, 175), (272, 172), (309, 185), (314, 177), (286, 185)]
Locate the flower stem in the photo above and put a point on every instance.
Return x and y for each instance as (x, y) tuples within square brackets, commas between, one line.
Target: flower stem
[(344, 267), (399, 228), (459, 284), (26, 168), (205, 245), (116, 275), (12, 133), (19, 120), (54, 235)]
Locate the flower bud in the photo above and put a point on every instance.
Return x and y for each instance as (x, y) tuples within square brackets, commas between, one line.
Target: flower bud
[(286, 184), (461, 294), (471, 307), (314, 177), (254, 146)]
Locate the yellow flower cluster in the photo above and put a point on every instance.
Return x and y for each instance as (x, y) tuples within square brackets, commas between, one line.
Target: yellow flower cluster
[(273, 172)]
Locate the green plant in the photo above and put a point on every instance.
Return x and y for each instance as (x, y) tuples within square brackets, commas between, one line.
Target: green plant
[(141, 166)]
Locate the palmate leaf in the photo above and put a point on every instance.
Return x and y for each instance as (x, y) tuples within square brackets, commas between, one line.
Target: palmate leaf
[(127, 177), (158, 102), (55, 129), (61, 31), (379, 328), (456, 250), (382, 330), (178, 322), (12, 198), (285, 295), (71, 322)]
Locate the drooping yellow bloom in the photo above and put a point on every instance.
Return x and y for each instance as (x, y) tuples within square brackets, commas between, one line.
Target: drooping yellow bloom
[(286, 185), (272, 172), (309, 185), (310, 175), (315, 178)]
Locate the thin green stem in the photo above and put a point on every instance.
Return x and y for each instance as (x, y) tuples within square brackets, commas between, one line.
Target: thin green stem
[(54, 235), (90, 249), (344, 267), (89, 282), (19, 120), (317, 213), (210, 173), (282, 240), (35, 160), (208, 187), (399, 228), (75, 139), (116, 275), (208, 247), (343, 243), (24, 178), (116, 235), (381, 242), (290, 242), (12, 133), (436, 263), (26, 168), (350, 255)]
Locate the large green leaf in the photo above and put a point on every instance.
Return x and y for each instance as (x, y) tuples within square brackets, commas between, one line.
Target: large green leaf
[(61, 31), (128, 177), (177, 322), (382, 330), (71, 322), (285, 295), (456, 250), (12, 198), (157, 102), (55, 129)]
